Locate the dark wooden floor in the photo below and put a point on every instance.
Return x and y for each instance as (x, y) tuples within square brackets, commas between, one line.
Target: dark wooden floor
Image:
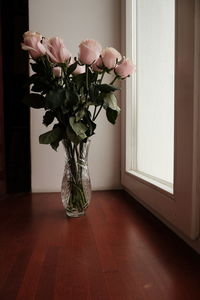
[(117, 251)]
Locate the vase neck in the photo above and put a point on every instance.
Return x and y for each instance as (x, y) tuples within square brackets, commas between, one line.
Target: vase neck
[(77, 152)]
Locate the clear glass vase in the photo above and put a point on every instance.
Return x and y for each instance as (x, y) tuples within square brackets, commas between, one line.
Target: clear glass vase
[(76, 184)]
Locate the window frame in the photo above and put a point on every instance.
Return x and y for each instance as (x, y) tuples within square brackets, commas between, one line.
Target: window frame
[(180, 209)]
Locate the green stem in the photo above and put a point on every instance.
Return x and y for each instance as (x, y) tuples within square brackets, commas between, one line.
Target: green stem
[(87, 81), (102, 75), (77, 199), (72, 166), (60, 116), (94, 118), (116, 77), (95, 109)]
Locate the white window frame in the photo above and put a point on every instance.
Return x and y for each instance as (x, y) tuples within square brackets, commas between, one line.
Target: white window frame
[(181, 208)]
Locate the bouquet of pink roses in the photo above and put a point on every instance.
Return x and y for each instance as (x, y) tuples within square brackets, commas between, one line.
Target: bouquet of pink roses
[(72, 93), (71, 90)]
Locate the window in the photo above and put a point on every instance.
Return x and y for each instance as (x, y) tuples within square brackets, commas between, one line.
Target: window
[(148, 158), (153, 96)]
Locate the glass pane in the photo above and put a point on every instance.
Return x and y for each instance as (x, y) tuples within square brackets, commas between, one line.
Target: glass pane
[(155, 44)]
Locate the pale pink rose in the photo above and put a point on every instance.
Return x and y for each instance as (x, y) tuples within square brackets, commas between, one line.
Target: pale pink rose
[(32, 43), (110, 56), (32, 33), (56, 50), (125, 69), (79, 70), (97, 64), (57, 71), (89, 51)]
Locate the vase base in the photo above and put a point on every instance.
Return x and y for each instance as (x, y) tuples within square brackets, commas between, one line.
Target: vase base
[(75, 214)]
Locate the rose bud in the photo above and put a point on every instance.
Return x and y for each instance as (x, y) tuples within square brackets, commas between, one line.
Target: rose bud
[(57, 71), (79, 70), (96, 66), (110, 56), (125, 68), (89, 51), (32, 43), (56, 50)]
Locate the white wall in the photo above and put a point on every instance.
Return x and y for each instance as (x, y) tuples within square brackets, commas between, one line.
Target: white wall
[(75, 20)]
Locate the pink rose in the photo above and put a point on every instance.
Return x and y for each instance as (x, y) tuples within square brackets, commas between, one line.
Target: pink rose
[(89, 51), (125, 69), (79, 70), (32, 43), (110, 56), (97, 64), (56, 50), (57, 71)]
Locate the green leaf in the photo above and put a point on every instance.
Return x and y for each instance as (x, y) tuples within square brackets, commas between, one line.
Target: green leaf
[(62, 65), (80, 114), (32, 78), (40, 66), (99, 100), (111, 115), (48, 117), (106, 88), (92, 77), (55, 98), (93, 92), (73, 137), (41, 84), (35, 67), (91, 129), (55, 144), (66, 105), (71, 100), (72, 68), (51, 136), (80, 80), (78, 127), (34, 100), (112, 109), (111, 101), (90, 124)]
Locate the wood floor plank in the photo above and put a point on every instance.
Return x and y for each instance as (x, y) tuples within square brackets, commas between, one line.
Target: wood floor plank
[(99, 226), (79, 273), (13, 281), (46, 284), (28, 287)]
